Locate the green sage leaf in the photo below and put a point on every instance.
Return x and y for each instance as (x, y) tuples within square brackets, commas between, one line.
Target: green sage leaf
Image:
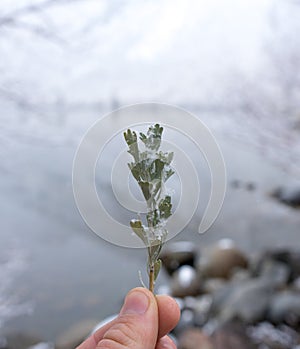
[(157, 267), (138, 229), (145, 186), (131, 140), (156, 169), (165, 207)]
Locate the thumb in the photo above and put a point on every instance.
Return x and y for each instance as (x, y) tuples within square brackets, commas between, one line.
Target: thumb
[(137, 324)]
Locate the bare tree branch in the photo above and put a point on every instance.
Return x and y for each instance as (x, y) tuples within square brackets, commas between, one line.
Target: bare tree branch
[(40, 31), (15, 20), (32, 8)]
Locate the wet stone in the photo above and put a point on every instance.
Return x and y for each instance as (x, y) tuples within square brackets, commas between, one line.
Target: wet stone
[(285, 307), (272, 337), (194, 338), (177, 254), (185, 282), (232, 336), (288, 257), (220, 297), (240, 275), (294, 264), (186, 321), (277, 273), (247, 301), (202, 309), (200, 304), (221, 260), (212, 285), (296, 284), (287, 196)]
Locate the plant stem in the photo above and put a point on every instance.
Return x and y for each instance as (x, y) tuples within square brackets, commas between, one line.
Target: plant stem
[(151, 278), (151, 169)]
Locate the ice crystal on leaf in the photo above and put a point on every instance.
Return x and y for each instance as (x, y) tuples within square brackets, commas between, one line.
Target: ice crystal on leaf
[(151, 168)]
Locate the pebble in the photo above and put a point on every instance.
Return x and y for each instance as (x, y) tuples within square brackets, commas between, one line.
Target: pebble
[(294, 263), (288, 257), (194, 338), (200, 306), (277, 273), (296, 284), (220, 297), (202, 309), (240, 275), (232, 336), (186, 321), (287, 196), (212, 285), (247, 301), (185, 282), (177, 254), (273, 337), (220, 260), (224, 303), (285, 307)]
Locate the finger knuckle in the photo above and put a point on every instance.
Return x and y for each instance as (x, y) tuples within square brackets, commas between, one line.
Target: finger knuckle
[(120, 336), (109, 344)]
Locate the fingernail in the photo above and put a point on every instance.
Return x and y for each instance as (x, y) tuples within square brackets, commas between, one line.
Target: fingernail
[(135, 303)]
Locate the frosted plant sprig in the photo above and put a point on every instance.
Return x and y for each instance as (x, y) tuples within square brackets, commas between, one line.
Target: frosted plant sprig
[(151, 169)]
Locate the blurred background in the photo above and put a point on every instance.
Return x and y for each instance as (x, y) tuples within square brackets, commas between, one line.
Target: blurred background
[(66, 63)]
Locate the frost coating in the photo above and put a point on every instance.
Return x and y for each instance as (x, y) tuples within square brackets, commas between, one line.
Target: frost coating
[(151, 168), (90, 203)]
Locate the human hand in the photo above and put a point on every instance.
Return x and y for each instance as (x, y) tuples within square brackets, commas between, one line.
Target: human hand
[(143, 323)]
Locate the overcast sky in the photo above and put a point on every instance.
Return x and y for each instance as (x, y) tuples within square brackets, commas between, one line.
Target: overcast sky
[(212, 52), (173, 50)]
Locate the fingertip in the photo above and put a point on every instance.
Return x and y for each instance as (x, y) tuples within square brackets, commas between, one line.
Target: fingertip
[(147, 293), (137, 323), (165, 343), (170, 306), (144, 290), (169, 314)]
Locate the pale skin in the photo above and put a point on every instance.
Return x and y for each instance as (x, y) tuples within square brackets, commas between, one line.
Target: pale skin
[(143, 323)]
